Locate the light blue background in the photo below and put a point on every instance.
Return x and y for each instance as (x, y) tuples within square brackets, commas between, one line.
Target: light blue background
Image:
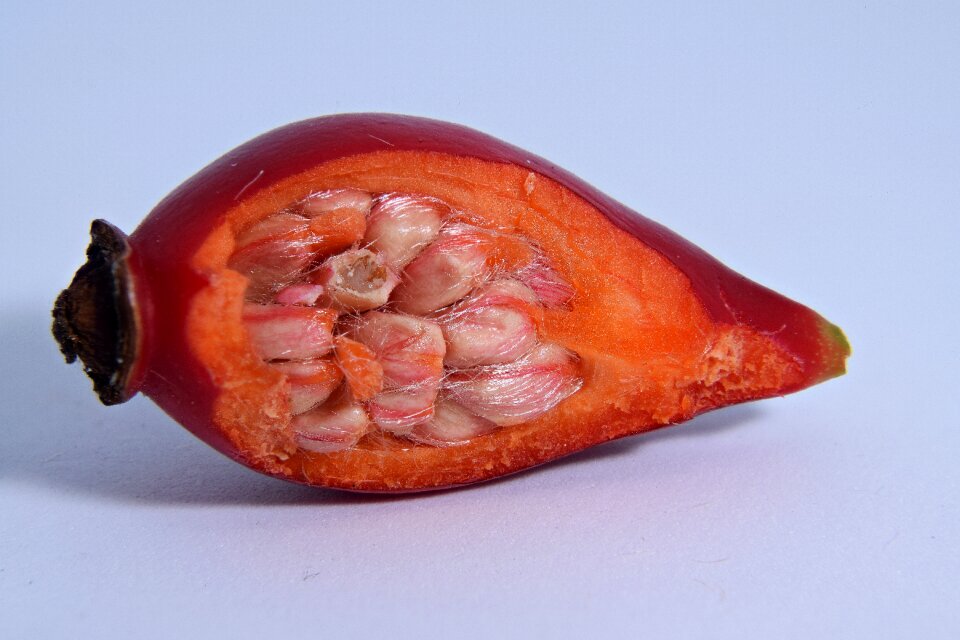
[(813, 146)]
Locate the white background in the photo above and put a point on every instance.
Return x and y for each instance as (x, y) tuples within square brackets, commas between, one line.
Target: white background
[(813, 146)]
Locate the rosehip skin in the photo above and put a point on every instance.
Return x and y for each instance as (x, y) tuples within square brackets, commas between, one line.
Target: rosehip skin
[(259, 332)]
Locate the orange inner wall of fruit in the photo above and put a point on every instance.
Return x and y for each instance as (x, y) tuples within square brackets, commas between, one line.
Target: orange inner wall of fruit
[(650, 353)]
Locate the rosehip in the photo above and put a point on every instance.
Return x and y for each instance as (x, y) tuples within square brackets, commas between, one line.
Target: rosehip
[(387, 303)]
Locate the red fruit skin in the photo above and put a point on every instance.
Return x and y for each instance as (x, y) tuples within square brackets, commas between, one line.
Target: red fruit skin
[(172, 233)]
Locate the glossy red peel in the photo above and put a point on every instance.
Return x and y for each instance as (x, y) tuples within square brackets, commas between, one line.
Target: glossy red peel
[(160, 312)]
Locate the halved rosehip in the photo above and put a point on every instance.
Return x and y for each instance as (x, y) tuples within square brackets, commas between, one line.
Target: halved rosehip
[(400, 304)]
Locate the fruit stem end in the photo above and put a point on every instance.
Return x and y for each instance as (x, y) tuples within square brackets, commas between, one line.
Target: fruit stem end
[(95, 318)]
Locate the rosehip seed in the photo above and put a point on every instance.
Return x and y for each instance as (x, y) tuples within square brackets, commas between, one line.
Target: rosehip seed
[(494, 326), (356, 280), (402, 226), (333, 428), (281, 332), (310, 383), (445, 272)]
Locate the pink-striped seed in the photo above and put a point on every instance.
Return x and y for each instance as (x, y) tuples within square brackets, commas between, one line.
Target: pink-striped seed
[(331, 428), (305, 295), (520, 391), (281, 332), (356, 280), (278, 224), (400, 410), (323, 202), (551, 289), (450, 424), (495, 325), (410, 349), (445, 272), (401, 226), (309, 383), (273, 253)]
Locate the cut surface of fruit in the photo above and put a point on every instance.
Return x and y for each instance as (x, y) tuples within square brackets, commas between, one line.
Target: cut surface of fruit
[(454, 324)]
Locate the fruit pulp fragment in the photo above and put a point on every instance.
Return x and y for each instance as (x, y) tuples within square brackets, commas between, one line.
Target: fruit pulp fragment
[(363, 373)]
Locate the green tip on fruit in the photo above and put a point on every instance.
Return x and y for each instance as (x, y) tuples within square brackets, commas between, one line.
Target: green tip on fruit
[(836, 350)]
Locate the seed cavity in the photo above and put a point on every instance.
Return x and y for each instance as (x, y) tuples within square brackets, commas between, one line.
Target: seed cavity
[(398, 314)]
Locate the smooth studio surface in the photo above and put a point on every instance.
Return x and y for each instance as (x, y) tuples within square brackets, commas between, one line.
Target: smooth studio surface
[(814, 149)]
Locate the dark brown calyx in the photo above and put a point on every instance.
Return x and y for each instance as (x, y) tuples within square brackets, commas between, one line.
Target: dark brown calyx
[(95, 317)]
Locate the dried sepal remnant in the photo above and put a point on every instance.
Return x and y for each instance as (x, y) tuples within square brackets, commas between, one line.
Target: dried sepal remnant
[(95, 318), (395, 313)]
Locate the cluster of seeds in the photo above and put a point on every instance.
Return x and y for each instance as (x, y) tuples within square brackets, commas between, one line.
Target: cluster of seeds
[(394, 312)]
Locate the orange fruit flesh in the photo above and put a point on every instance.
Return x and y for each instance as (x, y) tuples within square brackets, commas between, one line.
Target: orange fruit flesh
[(363, 373), (651, 355)]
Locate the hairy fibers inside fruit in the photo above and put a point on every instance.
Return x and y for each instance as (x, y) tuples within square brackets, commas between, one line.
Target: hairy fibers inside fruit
[(396, 313)]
